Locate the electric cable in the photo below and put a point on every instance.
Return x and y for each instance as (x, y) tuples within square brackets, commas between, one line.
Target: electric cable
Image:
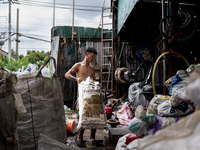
[(62, 4), (61, 7)]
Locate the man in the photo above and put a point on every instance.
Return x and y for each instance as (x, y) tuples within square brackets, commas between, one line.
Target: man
[(83, 70)]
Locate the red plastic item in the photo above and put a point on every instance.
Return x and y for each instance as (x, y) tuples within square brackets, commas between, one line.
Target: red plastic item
[(108, 110), (131, 137)]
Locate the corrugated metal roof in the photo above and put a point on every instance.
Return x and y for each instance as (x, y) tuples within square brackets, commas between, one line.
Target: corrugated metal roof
[(81, 32), (124, 9)]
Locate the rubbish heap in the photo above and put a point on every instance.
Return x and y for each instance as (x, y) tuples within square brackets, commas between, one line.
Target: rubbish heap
[(164, 118)]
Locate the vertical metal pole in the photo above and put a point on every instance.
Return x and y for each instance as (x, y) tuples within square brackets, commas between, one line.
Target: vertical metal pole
[(9, 32), (73, 22), (17, 35), (164, 45), (53, 13), (112, 53), (102, 49), (0, 51)]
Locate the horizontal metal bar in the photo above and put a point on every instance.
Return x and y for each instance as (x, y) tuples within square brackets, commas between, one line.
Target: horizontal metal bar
[(107, 40), (107, 23), (107, 16), (107, 47), (107, 8), (107, 31), (107, 56), (106, 64)]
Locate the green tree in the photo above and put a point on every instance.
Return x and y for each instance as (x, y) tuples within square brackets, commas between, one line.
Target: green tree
[(32, 57), (13, 53), (21, 56), (35, 56)]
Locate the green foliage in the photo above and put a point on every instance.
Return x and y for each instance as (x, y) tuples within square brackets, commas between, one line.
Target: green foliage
[(3, 61), (13, 65), (13, 54), (21, 56), (32, 57)]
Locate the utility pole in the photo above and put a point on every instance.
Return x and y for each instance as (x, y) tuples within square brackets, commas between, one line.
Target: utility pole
[(1, 44), (2, 36), (17, 35), (73, 22), (9, 32), (53, 13)]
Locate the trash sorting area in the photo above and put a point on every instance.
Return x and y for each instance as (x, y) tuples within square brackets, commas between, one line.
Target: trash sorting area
[(33, 115), (166, 121)]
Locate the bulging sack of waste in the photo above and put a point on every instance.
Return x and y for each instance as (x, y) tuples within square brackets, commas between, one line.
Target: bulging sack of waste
[(43, 100), (91, 109)]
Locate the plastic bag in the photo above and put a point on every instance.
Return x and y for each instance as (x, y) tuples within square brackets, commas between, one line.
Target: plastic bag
[(182, 109), (131, 137), (193, 91), (124, 114), (181, 135), (157, 100), (140, 123), (180, 90), (136, 96), (174, 101), (180, 76)]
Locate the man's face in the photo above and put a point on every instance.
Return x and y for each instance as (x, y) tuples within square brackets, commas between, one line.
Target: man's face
[(90, 56)]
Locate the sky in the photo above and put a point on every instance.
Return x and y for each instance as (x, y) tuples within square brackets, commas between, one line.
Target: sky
[(36, 20)]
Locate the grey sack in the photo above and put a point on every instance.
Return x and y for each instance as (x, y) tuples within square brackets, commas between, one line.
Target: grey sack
[(43, 100)]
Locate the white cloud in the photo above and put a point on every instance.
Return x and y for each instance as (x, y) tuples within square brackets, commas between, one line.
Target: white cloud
[(37, 21)]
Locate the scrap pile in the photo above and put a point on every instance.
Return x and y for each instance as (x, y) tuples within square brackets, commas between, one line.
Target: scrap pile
[(149, 118)]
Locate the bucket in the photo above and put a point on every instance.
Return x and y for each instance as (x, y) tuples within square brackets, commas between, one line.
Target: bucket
[(71, 125), (108, 110)]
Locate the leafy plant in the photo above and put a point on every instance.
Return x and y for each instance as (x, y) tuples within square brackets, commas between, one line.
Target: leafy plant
[(32, 57)]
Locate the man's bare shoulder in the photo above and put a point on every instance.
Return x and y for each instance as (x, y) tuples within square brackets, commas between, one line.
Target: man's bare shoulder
[(77, 65), (74, 68)]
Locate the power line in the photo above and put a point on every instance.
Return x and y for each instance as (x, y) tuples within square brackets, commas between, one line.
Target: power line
[(34, 48), (31, 37), (38, 2), (43, 4), (93, 10), (62, 6), (34, 38), (36, 35)]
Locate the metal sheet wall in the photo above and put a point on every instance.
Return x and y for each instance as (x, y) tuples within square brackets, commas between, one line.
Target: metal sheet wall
[(95, 45), (66, 59)]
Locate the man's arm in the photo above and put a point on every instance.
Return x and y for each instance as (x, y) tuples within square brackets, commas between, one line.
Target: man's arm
[(93, 74), (69, 73)]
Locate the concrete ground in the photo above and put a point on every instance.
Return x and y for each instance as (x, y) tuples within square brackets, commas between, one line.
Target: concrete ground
[(100, 136)]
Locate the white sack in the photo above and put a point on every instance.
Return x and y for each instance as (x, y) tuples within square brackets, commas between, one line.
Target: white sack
[(91, 109)]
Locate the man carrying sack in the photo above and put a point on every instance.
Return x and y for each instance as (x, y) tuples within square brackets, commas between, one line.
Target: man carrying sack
[(85, 71)]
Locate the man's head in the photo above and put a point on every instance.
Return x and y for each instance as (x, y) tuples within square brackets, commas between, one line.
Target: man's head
[(91, 50), (90, 54)]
